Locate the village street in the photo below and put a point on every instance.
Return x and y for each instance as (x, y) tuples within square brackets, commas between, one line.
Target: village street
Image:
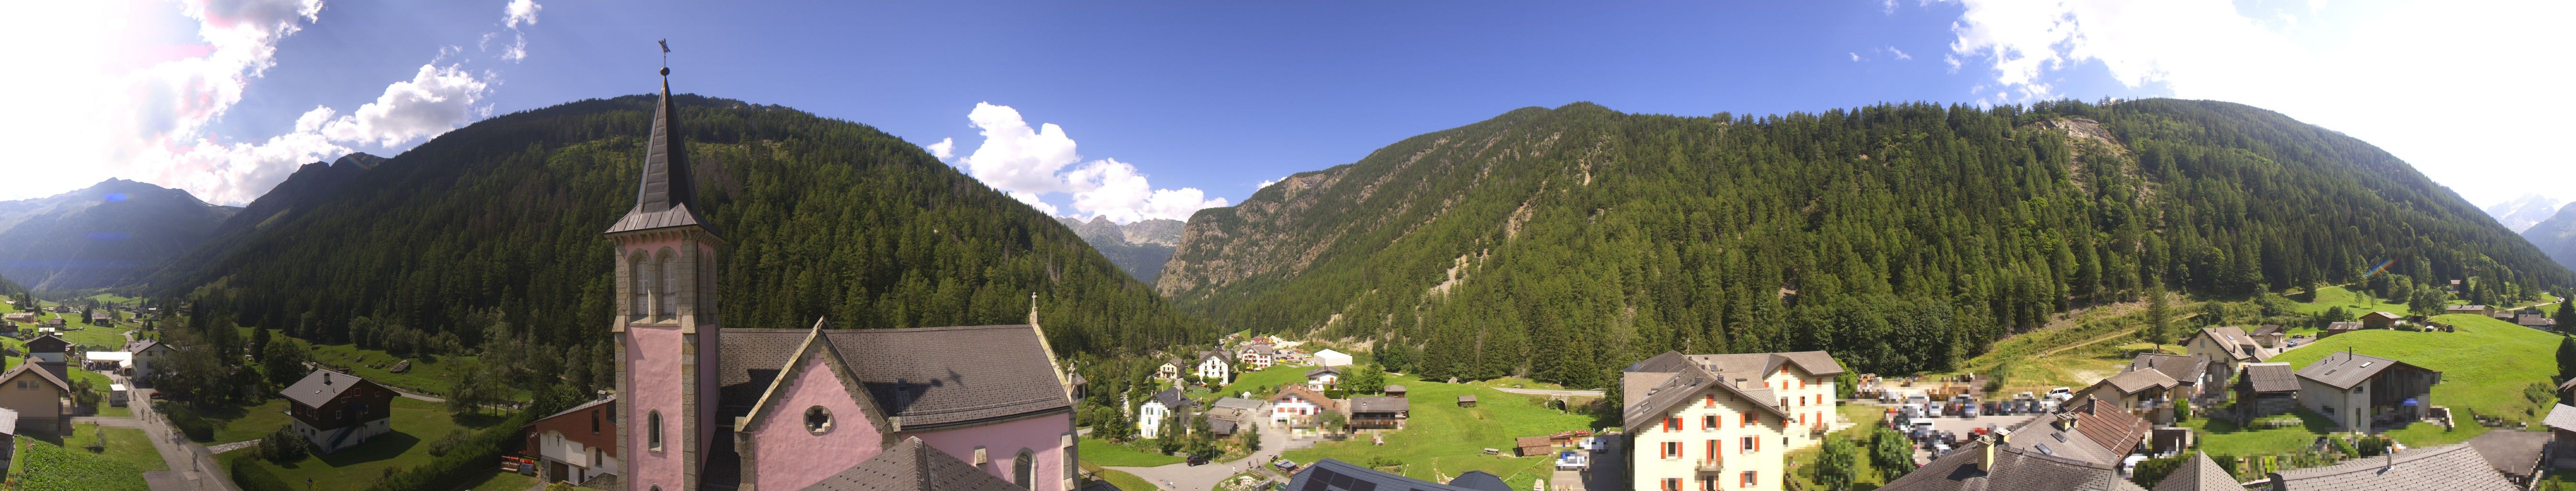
[(192, 466), (1186, 477)]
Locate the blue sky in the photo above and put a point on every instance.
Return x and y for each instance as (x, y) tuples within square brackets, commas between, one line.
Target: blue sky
[(1218, 97)]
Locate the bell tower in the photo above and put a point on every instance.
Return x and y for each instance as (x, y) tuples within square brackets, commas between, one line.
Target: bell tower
[(666, 324)]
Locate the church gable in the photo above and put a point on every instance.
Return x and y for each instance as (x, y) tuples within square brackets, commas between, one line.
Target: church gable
[(812, 422)]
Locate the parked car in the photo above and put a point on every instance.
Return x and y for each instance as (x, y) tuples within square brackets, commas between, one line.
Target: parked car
[(2061, 393), (1969, 410), (1198, 460)]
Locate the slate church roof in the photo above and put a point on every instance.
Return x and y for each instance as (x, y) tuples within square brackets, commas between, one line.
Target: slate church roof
[(912, 466), (926, 377)]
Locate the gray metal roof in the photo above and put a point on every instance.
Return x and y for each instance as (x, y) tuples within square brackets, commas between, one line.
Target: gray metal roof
[(2184, 369), (1684, 386), (1172, 398), (2561, 416), (1335, 475), (2137, 381), (2014, 469), (667, 195), (2515, 453), (2272, 377), (1380, 404), (2346, 369), (1323, 370), (2451, 468), (1237, 403), (913, 466), (930, 376), (317, 388), (2199, 474)]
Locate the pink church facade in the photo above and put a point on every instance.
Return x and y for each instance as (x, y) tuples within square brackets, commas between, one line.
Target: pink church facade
[(708, 407)]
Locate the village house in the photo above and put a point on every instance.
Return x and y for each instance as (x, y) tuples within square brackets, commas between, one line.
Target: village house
[(1166, 406), (2381, 320), (2535, 321), (1323, 378), (1393, 390), (577, 444), (2228, 349), (1256, 357), (2192, 379), (1532, 446), (2468, 309), (1231, 414), (2270, 336), (1298, 406), (47, 348), (2081, 448), (1703, 422), (703, 405), (2145, 392), (2562, 431), (1330, 358), (1215, 367), (2364, 393), (2333, 328), (336, 410), (41, 399), (28, 317), (2515, 454), (2266, 389), (1171, 369), (1378, 412), (2450, 468), (101, 317), (147, 354)]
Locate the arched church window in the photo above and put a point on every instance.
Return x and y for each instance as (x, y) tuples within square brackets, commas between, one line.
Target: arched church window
[(653, 431), (1023, 469)]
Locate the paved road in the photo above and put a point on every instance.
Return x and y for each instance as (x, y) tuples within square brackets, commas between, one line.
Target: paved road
[(1186, 477), (192, 468), (1553, 392)]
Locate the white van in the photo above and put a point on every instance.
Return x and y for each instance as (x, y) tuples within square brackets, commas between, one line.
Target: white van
[(116, 395)]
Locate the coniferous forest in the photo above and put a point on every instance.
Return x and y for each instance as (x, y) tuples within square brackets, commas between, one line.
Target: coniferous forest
[(1562, 244), (498, 223)]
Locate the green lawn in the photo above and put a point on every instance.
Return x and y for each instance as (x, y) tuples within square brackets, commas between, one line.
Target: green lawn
[(1125, 481), (42, 466), (428, 376), (1865, 419), (2219, 437), (1441, 440), (2485, 366), (416, 425), (240, 423), (2336, 296), (501, 481), (1255, 382), (1104, 452), (95, 338), (129, 445)]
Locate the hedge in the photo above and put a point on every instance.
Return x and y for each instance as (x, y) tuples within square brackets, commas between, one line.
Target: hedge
[(188, 422), (477, 458), (252, 477)]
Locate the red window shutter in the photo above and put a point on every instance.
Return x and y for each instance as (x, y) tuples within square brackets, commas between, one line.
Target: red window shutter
[(1712, 400), (1712, 450)]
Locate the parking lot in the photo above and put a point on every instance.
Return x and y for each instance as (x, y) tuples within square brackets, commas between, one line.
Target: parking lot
[(1959, 430)]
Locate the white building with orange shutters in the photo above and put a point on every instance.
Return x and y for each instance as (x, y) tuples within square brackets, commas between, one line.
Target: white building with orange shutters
[(1725, 422)]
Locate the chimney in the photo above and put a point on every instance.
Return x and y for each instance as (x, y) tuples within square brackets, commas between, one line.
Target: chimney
[(326, 378), (1986, 453), (2277, 483)]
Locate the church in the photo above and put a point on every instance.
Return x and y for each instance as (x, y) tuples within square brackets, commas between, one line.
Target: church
[(705, 406)]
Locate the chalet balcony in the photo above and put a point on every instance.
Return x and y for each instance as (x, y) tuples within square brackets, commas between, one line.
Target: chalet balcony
[(1711, 466)]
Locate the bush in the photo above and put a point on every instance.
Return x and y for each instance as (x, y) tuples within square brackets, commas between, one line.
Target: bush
[(255, 478), (283, 446), (469, 460), (189, 423), (449, 443), (2152, 471)]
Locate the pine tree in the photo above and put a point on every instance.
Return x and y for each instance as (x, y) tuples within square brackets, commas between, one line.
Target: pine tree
[(2566, 359), (2159, 328)]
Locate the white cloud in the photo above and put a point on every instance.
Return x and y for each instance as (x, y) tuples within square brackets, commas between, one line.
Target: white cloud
[(946, 149), (2465, 90), (435, 100), (1855, 56), (1028, 163), (1900, 54), (1267, 183), (520, 12)]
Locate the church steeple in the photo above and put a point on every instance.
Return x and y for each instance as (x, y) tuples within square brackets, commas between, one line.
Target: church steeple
[(667, 197)]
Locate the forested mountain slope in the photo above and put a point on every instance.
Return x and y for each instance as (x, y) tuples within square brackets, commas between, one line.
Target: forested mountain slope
[(94, 237), (822, 218), (1562, 243)]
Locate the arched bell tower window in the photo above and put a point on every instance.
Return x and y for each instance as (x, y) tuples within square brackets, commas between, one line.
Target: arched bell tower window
[(638, 286), (670, 284)]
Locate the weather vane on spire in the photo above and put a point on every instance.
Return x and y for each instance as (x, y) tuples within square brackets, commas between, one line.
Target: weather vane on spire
[(666, 56)]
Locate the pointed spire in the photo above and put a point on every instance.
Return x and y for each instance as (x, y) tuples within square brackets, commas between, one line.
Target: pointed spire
[(667, 195)]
